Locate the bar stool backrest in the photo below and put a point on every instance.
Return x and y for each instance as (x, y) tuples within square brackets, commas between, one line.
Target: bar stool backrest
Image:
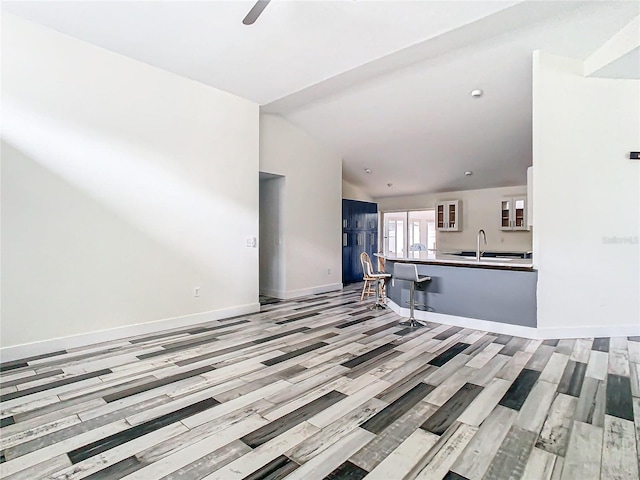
[(367, 267), (406, 271)]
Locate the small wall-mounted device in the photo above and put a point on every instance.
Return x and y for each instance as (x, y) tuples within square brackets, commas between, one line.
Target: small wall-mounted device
[(634, 155)]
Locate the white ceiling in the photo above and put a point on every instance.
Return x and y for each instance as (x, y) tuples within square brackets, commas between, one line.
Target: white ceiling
[(627, 66), (385, 84)]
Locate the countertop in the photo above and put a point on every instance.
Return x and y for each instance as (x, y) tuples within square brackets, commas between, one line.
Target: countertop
[(431, 257)]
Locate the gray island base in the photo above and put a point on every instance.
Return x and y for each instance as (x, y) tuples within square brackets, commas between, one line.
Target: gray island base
[(494, 294)]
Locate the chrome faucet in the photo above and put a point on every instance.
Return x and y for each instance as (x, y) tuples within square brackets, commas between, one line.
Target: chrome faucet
[(478, 252)]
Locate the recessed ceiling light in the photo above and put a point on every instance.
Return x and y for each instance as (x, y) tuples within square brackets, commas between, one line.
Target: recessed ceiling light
[(468, 172), (476, 93), (367, 170)]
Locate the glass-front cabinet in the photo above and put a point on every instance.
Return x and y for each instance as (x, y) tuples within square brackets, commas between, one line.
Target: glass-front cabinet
[(513, 213), (448, 216)]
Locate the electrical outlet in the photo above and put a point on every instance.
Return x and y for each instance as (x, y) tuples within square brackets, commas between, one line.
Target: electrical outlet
[(328, 271), (196, 292)]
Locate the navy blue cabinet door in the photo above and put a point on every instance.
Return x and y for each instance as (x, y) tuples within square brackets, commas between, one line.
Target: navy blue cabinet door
[(346, 214), (359, 234)]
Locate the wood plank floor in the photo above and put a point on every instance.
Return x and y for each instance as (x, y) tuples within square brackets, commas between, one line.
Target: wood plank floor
[(322, 387)]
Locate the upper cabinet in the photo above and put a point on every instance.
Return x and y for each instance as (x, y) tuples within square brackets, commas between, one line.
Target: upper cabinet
[(513, 213), (448, 216), (357, 215)]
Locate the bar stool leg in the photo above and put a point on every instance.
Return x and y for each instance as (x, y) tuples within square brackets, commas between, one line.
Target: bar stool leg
[(412, 292), (378, 305), (412, 322)]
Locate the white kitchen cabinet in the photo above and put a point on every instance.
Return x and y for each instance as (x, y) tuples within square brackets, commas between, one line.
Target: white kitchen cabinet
[(513, 213), (448, 216)]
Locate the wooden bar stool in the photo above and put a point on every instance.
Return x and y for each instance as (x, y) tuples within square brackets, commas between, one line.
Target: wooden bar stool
[(380, 278), (369, 282)]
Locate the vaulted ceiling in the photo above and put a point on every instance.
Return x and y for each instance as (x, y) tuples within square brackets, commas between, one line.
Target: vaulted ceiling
[(385, 84)]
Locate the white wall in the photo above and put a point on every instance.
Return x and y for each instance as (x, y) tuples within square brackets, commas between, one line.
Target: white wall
[(480, 209), (124, 187), (586, 194), (272, 259), (312, 215), (354, 192)]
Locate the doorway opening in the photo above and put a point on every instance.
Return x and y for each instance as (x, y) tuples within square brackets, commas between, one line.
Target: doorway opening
[(271, 244)]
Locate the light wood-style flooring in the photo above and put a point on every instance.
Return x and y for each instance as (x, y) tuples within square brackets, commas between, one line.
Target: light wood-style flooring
[(322, 387)]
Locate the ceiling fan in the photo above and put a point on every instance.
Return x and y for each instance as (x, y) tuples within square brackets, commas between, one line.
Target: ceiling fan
[(255, 12)]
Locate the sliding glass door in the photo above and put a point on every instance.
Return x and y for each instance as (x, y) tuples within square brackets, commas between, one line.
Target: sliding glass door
[(409, 231), (394, 232)]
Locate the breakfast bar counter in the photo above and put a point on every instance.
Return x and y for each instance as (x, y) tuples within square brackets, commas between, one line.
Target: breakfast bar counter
[(461, 259)]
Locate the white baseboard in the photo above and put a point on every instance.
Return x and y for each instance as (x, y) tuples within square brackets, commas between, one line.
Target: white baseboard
[(520, 331), (331, 287), (484, 325), (590, 331), (268, 292), (17, 352), (289, 294)]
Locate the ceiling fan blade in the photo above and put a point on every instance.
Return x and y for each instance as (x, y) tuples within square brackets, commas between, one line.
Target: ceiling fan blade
[(255, 12)]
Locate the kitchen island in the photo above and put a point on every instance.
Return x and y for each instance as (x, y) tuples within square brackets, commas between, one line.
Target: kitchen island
[(492, 294)]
